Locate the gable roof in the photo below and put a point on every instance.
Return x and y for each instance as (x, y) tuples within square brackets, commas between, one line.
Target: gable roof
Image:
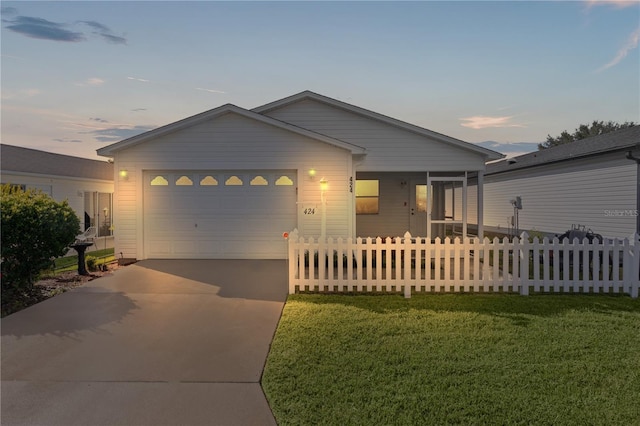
[(620, 140), (489, 154), (217, 112), (26, 160)]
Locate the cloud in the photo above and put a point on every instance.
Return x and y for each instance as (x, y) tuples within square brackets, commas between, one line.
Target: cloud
[(511, 149), (105, 32), (67, 140), (138, 109), (55, 31), (138, 79), (631, 43), (94, 81), (210, 90), (618, 4), (118, 133), (42, 29), (5, 10), (483, 122), (110, 38), (99, 120), (20, 94)]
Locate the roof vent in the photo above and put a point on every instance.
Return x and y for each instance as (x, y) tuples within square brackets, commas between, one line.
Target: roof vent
[(512, 161)]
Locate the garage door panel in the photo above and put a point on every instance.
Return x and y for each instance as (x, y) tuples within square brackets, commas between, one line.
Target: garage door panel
[(218, 221)]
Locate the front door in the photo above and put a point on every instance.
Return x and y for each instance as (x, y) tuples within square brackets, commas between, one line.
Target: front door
[(418, 209)]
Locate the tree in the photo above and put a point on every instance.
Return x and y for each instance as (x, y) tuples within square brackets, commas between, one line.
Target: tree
[(585, 131), (34, 229)]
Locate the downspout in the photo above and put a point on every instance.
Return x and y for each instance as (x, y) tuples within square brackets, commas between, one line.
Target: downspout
[(630, 156)]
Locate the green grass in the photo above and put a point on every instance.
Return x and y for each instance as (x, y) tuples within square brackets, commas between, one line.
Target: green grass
[(456, 359), (70, 263)]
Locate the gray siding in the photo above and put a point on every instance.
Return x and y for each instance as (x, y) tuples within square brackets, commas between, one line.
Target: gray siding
[(389, 148), (584, 191), (61, 188)]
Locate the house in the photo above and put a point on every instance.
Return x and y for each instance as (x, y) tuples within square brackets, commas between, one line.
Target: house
[(230, 182), (86, 184), (589, 182)]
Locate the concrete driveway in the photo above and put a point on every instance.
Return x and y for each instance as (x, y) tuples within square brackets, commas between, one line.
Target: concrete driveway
[(171, 342)]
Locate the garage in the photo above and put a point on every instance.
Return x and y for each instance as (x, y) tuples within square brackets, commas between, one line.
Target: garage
[(210, 214)]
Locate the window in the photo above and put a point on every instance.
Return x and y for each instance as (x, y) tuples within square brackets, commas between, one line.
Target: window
[(184, 181), (258, 180), (284, 181), (367, 195), (233, 181), (208, 181), (159, 181)]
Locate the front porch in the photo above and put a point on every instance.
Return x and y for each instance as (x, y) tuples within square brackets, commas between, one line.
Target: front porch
[(426, 204)]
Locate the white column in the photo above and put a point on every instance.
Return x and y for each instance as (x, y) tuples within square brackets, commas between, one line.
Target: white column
[(480, 213), (464, 205)]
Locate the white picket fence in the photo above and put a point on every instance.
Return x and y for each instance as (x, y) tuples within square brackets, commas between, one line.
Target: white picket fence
[(416, 265)]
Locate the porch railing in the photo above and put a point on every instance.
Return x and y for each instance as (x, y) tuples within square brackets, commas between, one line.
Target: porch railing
[(410, 265)]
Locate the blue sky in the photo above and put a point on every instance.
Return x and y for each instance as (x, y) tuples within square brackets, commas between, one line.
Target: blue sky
[(77, 76)]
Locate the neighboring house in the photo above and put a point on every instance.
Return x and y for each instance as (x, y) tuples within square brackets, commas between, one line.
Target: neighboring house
[(227, 183), (589, 182), (86, 184)]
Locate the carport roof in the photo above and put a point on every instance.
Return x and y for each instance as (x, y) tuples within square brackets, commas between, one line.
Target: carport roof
[(26, 160), (109, 150)]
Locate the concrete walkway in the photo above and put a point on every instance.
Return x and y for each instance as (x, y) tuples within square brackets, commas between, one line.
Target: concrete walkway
[(180, 342)]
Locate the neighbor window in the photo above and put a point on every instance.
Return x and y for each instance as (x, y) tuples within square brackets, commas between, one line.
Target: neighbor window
[(367, 195)]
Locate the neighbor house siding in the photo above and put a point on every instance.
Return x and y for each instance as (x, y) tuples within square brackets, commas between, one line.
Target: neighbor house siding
[(233, 142), (67, 189), (556, 196), (389, 148)]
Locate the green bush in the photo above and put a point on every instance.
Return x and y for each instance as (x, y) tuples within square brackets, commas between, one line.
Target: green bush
[(91, 262), (34, 229)]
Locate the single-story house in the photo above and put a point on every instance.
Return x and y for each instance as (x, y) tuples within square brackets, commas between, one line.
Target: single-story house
[(590, 182), (230, 182), (86, 184)]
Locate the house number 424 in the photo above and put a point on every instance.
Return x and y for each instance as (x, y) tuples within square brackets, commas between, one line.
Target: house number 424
[(310, 211)]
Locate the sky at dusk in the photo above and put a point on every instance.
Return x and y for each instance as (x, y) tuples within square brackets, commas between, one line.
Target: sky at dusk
[(77, 76)]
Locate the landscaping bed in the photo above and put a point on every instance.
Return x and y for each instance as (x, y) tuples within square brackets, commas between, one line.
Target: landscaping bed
[(50, 285)]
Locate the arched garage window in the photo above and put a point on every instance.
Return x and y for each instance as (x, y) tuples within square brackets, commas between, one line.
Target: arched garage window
[(159, 181), (284, 181), (184, 181), (208, 181), (258, 180), (234, 181)]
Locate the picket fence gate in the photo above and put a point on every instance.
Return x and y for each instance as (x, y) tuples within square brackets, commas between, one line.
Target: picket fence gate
[(417, 265)]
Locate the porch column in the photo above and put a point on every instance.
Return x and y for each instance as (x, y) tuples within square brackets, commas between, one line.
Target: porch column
[(480, 212), (464, 205)]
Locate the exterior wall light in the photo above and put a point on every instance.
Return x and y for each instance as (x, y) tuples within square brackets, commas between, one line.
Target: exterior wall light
[(124, 174), (312, 173)]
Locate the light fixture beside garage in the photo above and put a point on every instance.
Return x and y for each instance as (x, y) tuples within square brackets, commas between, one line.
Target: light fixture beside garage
[(124, 174), (312, 173)]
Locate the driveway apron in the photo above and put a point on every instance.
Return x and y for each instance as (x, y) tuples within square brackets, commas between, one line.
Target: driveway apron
[(171, 342)]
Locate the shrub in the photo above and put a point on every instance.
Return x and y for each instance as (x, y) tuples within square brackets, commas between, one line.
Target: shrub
[(34, 229), (92, 263)]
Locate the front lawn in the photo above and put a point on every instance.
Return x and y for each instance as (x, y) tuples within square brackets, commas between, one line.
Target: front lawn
[(456, 359)]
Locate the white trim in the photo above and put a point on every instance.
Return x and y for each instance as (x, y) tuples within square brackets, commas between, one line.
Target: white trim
[(44, 176)]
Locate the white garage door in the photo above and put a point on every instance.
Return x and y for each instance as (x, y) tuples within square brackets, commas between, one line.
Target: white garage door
[(218, 214)]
